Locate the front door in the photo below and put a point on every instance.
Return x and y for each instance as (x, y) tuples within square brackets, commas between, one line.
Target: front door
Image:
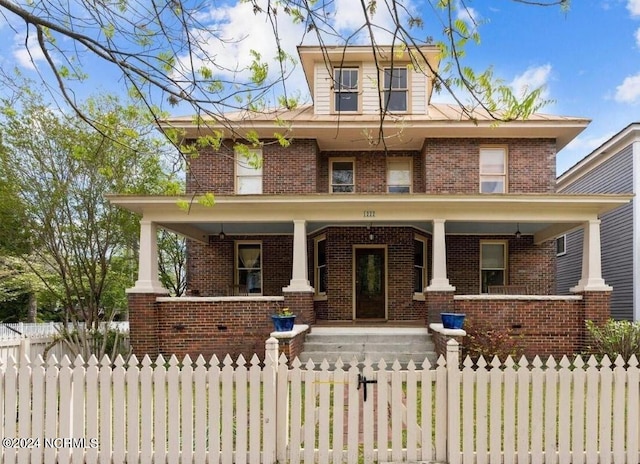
[(370, 291)]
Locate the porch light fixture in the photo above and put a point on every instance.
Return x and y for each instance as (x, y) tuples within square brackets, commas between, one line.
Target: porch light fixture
[(221, 235), (518, 233), (370, 232)]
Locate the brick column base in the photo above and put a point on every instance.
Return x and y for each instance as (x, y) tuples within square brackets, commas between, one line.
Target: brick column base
[(438, 302), (143, 324), (301, 303), (597, 308)]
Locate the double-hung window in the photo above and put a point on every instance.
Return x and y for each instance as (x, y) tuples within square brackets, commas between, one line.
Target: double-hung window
[(493, 170), (396, 89), (399, 175), (342, 175), (493, 264), (561, 245), (346, 89), (249, 268), (248, 171)]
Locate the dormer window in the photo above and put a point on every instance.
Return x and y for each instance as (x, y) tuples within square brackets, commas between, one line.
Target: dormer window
[(346, 89), (396, 89)]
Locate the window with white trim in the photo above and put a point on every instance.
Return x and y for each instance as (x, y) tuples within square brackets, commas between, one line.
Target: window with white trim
[(396, 89), (342, 175), (419, 264), (493, 170), (346, 89), (399, 175), (248, 275), (561, 245), (493, 264), (320, 259), (248, 171)]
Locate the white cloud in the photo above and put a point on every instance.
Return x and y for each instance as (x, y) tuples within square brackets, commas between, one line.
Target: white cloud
[(469, 15), (349, 17), (634, 7), (531, 79), (27, 56), (629, 90), (637, 36), (578, 148), (234, 31)]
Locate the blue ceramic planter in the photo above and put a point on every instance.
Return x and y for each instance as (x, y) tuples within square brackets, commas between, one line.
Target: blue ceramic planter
[(452, 320), (283, 323)]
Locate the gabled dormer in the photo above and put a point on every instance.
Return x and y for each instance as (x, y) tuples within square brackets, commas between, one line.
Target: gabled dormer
[(355, 81)]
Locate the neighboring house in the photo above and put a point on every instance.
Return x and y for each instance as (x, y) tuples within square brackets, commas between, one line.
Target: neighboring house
[(613, 167), (349, 224)]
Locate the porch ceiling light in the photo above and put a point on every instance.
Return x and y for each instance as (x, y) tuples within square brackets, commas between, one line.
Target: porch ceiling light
[(221, 235), (518, 233)]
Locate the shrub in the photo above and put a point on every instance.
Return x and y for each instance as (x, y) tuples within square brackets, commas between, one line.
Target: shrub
[(614, 338), (486, 341)]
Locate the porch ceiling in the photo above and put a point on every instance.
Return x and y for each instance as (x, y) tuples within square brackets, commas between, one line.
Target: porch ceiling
[(545, 216)]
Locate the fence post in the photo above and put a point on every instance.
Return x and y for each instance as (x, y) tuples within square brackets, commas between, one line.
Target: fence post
[(270, 421), (24, 351), (453, 402)]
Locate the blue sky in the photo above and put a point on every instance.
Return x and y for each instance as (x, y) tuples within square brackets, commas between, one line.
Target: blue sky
[(588, 59)]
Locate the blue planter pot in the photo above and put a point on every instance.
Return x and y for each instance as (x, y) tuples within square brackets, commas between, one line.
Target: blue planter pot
[(452, 320), (283, 323)]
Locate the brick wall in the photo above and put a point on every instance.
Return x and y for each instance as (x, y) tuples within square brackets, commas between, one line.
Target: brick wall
[(528, 264), (208, 328), (547, 327), (210, 268), (370, 169), (289, 170), (399, 241), (143, 323), (452, 165)]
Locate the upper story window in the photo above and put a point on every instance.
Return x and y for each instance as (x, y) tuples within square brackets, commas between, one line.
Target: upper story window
[(399, 175), (346, 83), (396, 89), (249, 171), (493, 170), (342, 175)]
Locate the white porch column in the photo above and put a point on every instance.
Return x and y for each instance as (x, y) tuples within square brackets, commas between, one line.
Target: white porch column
[(299, 273), (148, 281), (439, 280), (591, 279)]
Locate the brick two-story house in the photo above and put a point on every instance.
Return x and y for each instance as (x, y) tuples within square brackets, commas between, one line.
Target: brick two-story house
[(370, 219)]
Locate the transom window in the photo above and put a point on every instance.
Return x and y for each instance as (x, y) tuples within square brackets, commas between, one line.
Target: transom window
[(396, 89), (419, 265), (493, 170), (493, 264), (342, 176), (345, 89), (249, 268), (399, 175), (248, 171)]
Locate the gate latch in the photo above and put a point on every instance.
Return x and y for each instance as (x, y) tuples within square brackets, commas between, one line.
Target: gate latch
[(362, 381)]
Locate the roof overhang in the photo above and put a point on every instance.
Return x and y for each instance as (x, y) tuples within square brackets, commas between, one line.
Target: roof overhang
[(545, 216), (368, 132)]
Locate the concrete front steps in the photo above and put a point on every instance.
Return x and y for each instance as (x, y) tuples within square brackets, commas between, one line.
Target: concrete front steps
[(388, 343)]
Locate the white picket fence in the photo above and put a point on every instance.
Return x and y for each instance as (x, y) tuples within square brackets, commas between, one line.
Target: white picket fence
[(184, 412), (12, 330)]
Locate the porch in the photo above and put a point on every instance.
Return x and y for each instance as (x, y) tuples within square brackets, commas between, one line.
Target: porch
[(330, 266)]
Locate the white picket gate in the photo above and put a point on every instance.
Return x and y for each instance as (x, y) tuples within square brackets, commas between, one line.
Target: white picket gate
[(267, 412)]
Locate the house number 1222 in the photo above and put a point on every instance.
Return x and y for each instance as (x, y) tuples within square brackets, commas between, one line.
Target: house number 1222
[(369, 214)]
